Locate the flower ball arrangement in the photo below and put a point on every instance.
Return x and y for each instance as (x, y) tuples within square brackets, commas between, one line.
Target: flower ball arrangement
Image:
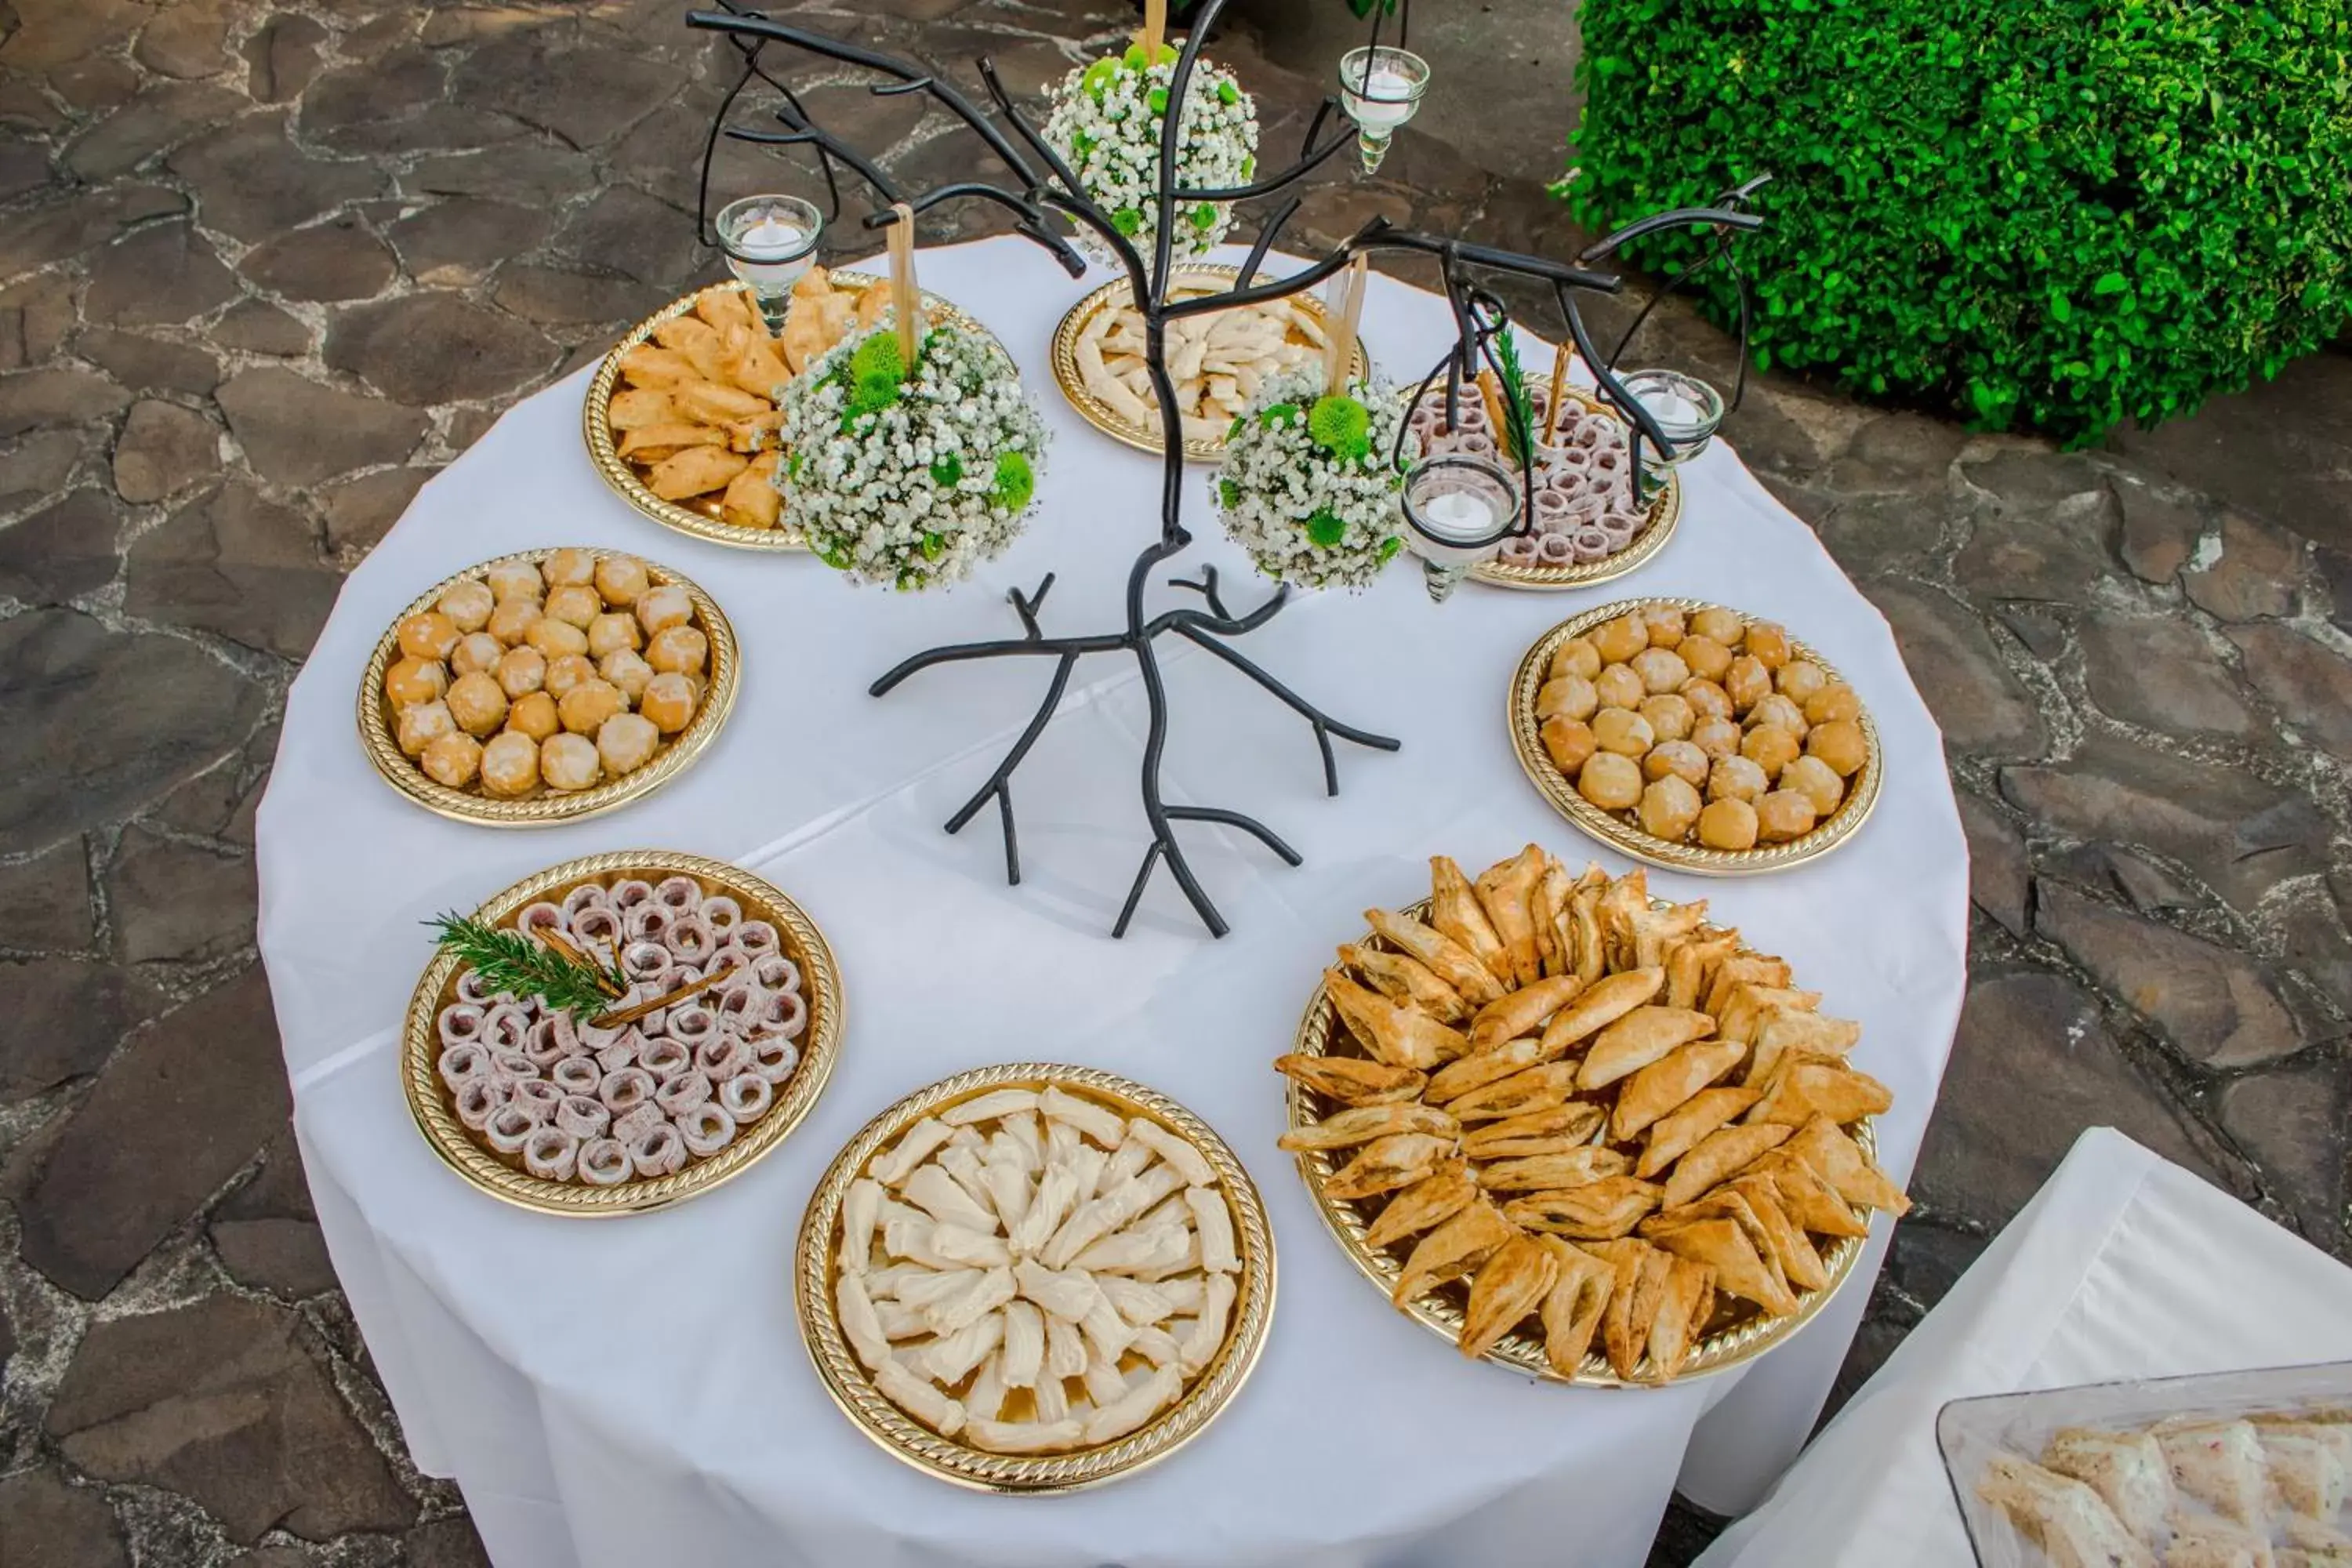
[(910, 478), (1309, 486), (1105, 121)]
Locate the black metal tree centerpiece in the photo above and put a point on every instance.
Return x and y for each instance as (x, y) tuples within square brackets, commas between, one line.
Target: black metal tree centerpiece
[(1041, 185)]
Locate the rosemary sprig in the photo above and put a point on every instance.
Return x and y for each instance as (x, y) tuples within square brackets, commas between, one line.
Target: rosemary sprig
[(1518, 414), (511, 961)]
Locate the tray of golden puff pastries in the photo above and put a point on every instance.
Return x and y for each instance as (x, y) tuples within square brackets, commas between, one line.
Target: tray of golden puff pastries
[(1578, 1131), (1695, 737), (547, 686), (681, 416)]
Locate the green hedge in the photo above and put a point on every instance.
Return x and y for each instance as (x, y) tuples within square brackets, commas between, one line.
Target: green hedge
[(2054, 214)]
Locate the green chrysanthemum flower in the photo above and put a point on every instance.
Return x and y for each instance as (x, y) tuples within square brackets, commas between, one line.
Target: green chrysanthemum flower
[(1229, 492), (948, 472), (1228, 93), (1390, 546), (1326, 529), (1098, 78), (1016, 481), (1342, 426), (1204, 216), (1277, 414), (876, 359), (934, 547), (1158, 98), (1128, 221)]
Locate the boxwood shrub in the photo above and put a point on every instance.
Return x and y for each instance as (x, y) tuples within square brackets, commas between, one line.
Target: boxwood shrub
[(2047, 214)]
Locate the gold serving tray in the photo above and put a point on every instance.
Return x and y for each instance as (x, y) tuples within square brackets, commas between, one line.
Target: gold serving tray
[(847, 1381), (1619, 831), (503, 1177), (1738, 1333), (1664, 513), (701, 517), (377, 720), (1110, 297)]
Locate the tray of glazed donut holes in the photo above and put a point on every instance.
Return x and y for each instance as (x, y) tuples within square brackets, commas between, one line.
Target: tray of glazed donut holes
[(547, 686), (1695, 737)]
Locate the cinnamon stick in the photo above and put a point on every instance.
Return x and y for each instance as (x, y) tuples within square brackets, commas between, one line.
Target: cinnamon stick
[(904, 297)]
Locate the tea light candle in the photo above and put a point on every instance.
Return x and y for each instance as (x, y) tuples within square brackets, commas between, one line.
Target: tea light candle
[(1458, 516), (1384, 101), (770, 242), (1672, 409)]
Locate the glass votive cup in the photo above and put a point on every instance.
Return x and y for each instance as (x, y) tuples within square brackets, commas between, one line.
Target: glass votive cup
[(1687, 410), (769, 242), (1458, 510), (1380, 90)]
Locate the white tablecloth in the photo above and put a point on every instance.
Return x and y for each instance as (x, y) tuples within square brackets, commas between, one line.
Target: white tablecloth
[(633, 1390), (2124, 1266)]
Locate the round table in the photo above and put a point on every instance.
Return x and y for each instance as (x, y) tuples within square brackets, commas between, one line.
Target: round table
[(634, 1391)]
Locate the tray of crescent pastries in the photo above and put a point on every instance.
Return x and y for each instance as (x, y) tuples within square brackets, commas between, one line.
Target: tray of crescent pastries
[(2233, 1469), (1580, 1130)]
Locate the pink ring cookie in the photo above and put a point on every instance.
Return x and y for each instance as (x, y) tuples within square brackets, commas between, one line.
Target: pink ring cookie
[(604, 1162), (478, 1100), (582, 1116), (509, 1125), (462, 1064), (625, 1090), (774, 1058), (683, 1093), (746, 1097), (706, 1129), (460, 1024), (658, 1151), (578, 1075), (549, 1153), (666, 1059)]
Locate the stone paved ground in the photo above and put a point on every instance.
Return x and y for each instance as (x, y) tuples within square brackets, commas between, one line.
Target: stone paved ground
[(263, 269)]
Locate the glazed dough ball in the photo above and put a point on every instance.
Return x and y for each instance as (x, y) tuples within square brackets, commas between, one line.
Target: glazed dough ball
[(1669, 807), (513, 619), (555, 639), (1746, 683), (668, 701), (586, 706), (453, 759), (1771, 748), (1678, 759), (1662, 669), (1705, 656), (1728, 824), (1799, 679), (522, 671), (567, 672), (658, 609), (1715, 621), (1816, 781), (1609, 781), (1670, 716), (568, 762), (1618, 640), (1783, 814), (1665, 625), (422, 725), (613, 631), (1780, 712), (1718, 737), (1623, 731), (1567, 697), (625, 742), (620, 579), (1833, 702), (1577, 656), (575, 605), (627, 671), (1707, 700), (1735, 778), (1767, 643), (428, 634), (679, 650), (468, 604), (570, 568), (476, 652), (1570, 743), (516, 580), (413, 680), (476, 703), (1839, 743), (510, 763), (1619, 687), (534, 715)]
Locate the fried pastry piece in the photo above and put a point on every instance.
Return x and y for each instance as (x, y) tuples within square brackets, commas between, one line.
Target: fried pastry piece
[(1674, 1329), (752, 499), (1726, 1245), (1691, 963), (703, 398), (1643, 933), (698, 340), (1838, 1161), (1573, 1124), (1552, 1173), (1524, 1011), (1811, 1202), (2219, 1463), (2066, 1519), (1601, 1004), (726, 308), (1669, 1083), (1365, 1122), (1511, 1283), (1521, 1094), (1743, 1011), (1447, 959), (1639, 1284), (1788, 1031), (2126, 1468), (1547, 906), (1452, 1248), (1641, 1037), (648, 366), (1401, 1037), (1803, 1090), (1507, 892), (697, 471), (651, 442), (1433, 1200), (1743, 969), (1407, 982), (1597, 1211), (1387, 1163), (757, 368), (751, 435), (1676, 1132), (1719, 1156), (1588, 949), (1572, 1310), (636, 407), (1353, 1080), (1481, 1068), (1765, 1236), (1455, 908), (1793, 1252)]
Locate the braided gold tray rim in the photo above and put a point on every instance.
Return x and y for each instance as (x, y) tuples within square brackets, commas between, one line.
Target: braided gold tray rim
[(850, 1387), (631, 486), (1440, 1311), (376, 720), (1147, 438), (1627, 837), (803, 942), (1666, 513)]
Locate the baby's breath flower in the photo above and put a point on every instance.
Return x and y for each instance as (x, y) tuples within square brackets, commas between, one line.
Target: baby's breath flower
[(1105, 122), (1310, 485)]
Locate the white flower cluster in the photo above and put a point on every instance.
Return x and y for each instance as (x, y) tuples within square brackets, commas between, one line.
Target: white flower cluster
[(1309, 484), (1106, 121), (909, 482)]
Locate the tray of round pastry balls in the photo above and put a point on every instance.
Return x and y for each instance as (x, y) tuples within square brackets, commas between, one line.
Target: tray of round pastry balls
[(1695, 737), (547, 686)]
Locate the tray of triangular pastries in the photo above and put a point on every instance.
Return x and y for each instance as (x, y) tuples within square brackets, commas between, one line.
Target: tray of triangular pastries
[(1580, 1130)]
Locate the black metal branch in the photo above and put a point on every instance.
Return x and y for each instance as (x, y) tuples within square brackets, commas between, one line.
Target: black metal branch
[(1035, 224), (1000, 783), (1265, 242), (1206, 587), (1248, 825), (1325, 725), (825, 145), (1027, 608)]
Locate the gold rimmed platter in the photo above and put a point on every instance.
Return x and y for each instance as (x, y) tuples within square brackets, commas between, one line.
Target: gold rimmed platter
[(1736, 1331), (700, 516), (1657, 529), (433, 1103), (1205, 1395), (1622, 830), (1145, 434), (543, 806)]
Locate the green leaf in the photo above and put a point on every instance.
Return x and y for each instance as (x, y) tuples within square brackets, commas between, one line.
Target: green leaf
[(1228, 494), (2110, 283), (1274, 413), (1390, 546)]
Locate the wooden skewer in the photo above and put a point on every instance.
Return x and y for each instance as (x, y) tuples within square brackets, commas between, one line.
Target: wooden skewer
[(905, 300), (1155, 30), (631, 1014), (556, 940), (1559, 392), (1490, 391), (1340, 347)]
